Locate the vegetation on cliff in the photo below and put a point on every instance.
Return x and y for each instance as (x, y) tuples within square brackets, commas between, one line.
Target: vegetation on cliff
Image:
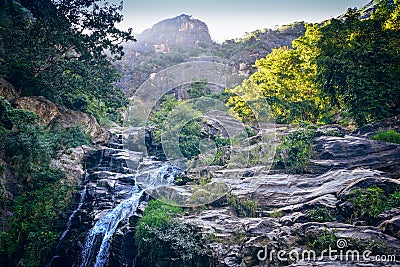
[(43, 192), (347, 67), (62, 50), (57, 49)]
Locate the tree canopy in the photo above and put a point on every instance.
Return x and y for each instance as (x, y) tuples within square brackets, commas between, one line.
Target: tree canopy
[(346, 65), (63, 51)]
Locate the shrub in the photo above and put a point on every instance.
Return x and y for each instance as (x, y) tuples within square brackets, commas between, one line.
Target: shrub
[(393, 201), (322, 239), (160, 234), (370, 202), (325, 238), (198, 89), (28, 148), (276, 214), (242, 208), (390, 136), (367, 203), (295, 150), (321, 214), (186, 123)]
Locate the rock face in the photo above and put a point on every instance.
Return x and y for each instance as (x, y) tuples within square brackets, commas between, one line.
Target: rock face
[(355, 152), (58, 117), (71, 118), (382, 125), (7, 90), (287, 218), (43, 107), (182, 31)]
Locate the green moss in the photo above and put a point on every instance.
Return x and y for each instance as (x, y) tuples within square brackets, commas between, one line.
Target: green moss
[(390, 136)]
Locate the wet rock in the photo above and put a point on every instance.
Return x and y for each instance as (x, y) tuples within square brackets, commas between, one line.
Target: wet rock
[(123, 248), (391, 227), (43, 107), (297, 192)]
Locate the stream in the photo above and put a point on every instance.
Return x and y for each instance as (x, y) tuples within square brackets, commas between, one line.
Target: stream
[(108, 198)]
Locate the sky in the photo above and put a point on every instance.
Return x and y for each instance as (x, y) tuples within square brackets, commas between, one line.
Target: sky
[(229, 19)]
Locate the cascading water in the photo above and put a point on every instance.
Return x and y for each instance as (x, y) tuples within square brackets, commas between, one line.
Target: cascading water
[(110, 197), (69, 222), (97, 244), (81, 200), (96, 249), (105, 228)]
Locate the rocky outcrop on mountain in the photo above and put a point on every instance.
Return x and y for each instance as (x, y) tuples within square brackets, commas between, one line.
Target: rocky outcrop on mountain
[(183, 31), (70, 119), (183, 39), (7, 90), (43, 107), (243, 52), (62, 118)]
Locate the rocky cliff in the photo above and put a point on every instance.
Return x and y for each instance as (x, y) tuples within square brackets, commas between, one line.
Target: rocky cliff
[(184, 38), (182, 31)]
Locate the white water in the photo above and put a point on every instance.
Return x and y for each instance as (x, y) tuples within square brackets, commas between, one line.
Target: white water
[(71, 217), (81, 201), (106, 226)]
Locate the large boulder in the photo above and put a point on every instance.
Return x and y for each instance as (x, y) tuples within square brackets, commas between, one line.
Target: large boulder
[(350, 152), (7, 90), (43, 107), (71, 119), (62, 118)]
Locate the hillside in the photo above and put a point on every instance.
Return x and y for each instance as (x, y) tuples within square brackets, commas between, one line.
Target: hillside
[(183, 38), (290, 152)]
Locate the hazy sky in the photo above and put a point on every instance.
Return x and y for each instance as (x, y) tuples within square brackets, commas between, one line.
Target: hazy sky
[(227, 19)]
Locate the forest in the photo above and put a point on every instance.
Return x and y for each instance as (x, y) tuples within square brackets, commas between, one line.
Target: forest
[(343, 72)]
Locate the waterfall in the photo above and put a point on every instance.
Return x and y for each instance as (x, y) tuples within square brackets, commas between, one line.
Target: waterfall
[(97, 244), (71, 217), (105, 228), (81, 201)]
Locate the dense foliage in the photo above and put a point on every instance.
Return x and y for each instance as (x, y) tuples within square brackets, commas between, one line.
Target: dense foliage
[(347, 66), (179, 118), (160, 235), (57, 49), (368, 203), (44, 192)]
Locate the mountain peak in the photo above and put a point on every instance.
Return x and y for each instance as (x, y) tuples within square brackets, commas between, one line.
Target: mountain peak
[(180, 31)]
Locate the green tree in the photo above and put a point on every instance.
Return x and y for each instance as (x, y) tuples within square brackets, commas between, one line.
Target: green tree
[(57, 49), (285, 78), (198, 89), (358, 63)]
